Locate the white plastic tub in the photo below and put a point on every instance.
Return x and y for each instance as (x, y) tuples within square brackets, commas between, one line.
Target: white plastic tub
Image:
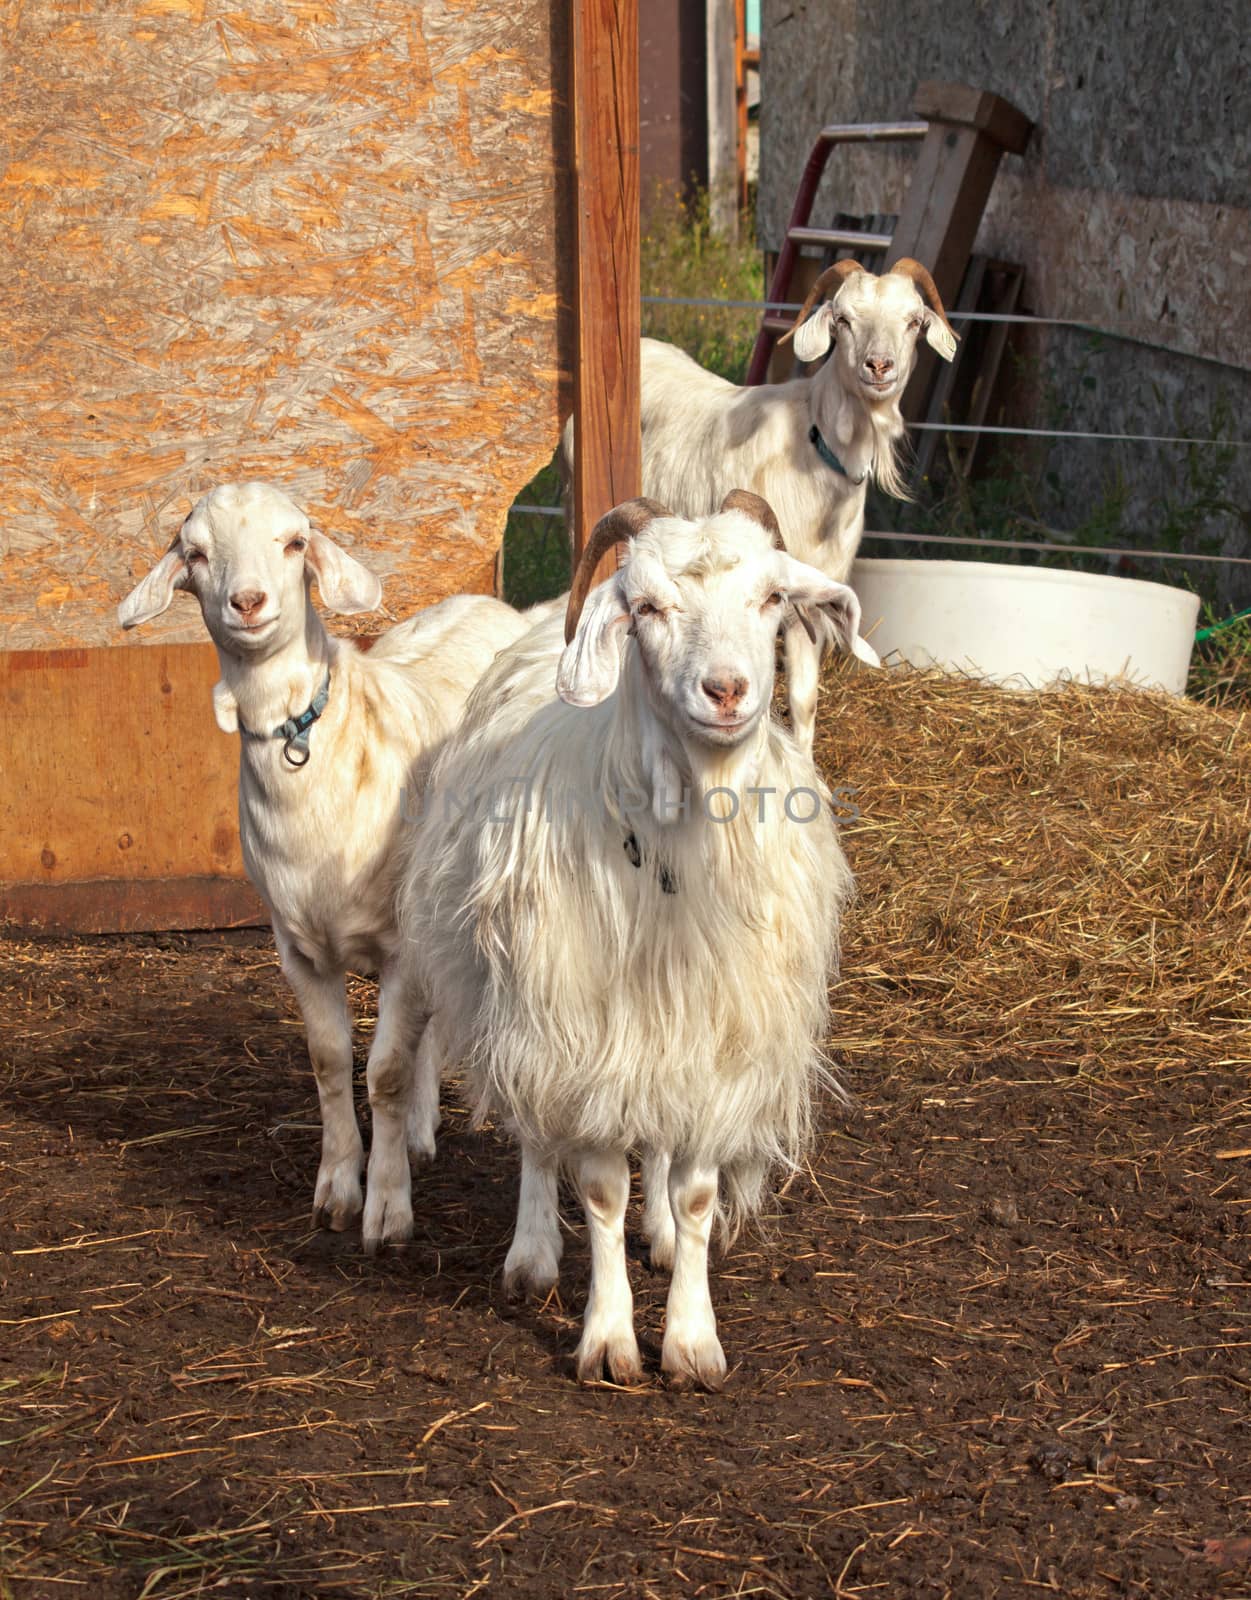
[(1027, 627)]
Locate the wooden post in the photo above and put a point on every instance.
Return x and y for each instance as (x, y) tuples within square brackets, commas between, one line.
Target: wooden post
[(969, 132), (605, 105), (722, 119)]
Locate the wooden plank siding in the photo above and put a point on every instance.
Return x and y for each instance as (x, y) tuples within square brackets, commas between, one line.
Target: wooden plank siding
[(118, 800)]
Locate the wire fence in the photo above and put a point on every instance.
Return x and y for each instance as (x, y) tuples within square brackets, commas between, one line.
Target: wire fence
[(1054, 541), (1111, 332)]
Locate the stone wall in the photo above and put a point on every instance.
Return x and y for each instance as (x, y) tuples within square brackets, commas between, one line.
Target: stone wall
[(1128, 211)]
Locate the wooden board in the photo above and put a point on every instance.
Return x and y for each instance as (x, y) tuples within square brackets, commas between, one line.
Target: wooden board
[(118, 802), (605, 99), (319, 242), (969, 133)]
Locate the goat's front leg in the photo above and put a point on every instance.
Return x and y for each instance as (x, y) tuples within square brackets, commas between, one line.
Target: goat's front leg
[(803, 674), (657, 1212), (389, 1073), (603, 1179), (691, 1349), (322, 1000), (533, 1260)]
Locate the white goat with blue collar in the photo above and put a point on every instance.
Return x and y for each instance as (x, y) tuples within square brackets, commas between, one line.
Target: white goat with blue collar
[(333, 739), (810, 446), (626, 897)]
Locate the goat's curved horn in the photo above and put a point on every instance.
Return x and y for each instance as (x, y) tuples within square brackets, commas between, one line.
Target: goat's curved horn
[(906, 267), (758, 509), (620, 524), (838, 273)]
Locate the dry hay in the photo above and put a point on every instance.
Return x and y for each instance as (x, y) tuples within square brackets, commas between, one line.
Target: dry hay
[(1063, 877)]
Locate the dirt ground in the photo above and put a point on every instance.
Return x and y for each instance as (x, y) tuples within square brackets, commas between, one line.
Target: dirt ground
[(997, 1343)]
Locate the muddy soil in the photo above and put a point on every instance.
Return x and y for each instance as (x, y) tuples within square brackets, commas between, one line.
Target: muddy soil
[(995, 1341)]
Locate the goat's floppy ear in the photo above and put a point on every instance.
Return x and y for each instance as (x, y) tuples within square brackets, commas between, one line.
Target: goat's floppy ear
[(345, 584), (813, 338), (843, 614), (153, 594), (809, 589), (940, 336), (591, 662)]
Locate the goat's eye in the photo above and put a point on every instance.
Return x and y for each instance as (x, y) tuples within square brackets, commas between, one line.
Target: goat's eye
[(775, 599), (645, 609), (842, 322), (294, 546), (195, 558)]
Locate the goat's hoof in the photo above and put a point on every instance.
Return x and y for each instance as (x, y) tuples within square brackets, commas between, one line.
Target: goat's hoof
[(694, 1361), (522, 1282), (336, 1213), (337, 1199), (331, 1221), (660, 1252), (388, 1222), (533, 1270), (420, 1141), (618, 1353)]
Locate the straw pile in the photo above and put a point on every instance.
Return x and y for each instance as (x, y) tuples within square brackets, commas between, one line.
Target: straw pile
[(1061, 877)]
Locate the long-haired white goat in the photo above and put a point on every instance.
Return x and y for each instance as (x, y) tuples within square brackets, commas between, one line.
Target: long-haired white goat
[(810, 446), (627, 901), (332, 738)]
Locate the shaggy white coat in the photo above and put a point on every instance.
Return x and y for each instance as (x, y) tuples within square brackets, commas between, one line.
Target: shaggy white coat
[(598, 1013)]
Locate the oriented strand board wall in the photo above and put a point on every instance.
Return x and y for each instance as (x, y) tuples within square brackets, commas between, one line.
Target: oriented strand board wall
[(315, 242)]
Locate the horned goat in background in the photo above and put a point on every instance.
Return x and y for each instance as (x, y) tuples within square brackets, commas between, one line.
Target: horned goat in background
[(810, 446), (331, 738), (626, 896)]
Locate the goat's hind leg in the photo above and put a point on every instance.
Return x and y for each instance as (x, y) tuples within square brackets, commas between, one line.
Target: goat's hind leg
[(390, 1073), (658, 1227), (533, 1261), (423, 1112), (322, 1000)]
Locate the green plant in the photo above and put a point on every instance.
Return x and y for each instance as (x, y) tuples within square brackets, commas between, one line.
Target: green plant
[(683, 259), (536, 547), (1220, 669)]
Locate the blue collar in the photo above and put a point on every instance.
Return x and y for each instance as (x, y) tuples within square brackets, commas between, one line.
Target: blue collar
[(294, 731), (828, 456)]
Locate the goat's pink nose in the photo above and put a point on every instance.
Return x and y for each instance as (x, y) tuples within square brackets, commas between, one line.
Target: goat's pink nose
[(725, 693), (880, 366), (247, 601)]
